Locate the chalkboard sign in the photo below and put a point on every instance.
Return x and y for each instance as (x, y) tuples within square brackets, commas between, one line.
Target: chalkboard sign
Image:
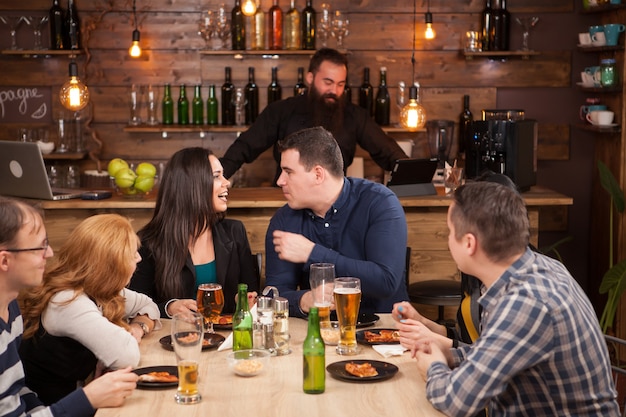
[(25, 104)]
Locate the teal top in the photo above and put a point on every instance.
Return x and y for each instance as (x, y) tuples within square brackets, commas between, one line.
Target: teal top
[(206, 273)]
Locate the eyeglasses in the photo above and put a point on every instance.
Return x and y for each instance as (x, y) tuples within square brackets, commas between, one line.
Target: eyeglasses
[(44, 248)]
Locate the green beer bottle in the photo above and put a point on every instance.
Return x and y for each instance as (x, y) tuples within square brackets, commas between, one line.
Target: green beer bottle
[(168, 106), (183, 106), (197, 107), (313, 357), (242, 321), (211, 106)]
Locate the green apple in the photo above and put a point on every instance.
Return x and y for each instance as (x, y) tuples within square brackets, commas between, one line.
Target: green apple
[(125, 178), (146, 169), (144, 183), (115, 165)]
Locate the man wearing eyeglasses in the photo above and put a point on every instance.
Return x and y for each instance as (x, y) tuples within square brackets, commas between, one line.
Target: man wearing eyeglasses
[(24, 251)]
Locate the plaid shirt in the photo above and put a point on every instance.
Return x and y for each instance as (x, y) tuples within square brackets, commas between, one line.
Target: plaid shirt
[(541, 351)]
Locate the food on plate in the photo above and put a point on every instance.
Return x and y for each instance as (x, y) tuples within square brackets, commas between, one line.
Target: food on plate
[(361, 370), (248, 367), (226, 319), (190, 338), (163, 377), (382, 336)]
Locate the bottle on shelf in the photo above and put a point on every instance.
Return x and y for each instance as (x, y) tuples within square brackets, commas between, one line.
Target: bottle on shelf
[(197, 106), (228, 110), (211, 106), (274, 91), (313, 357), (300, 88), (275, 26), (501, 28), (382, 105), (308, 26), (242, 321), (167, 106), (72, 26), (292, 28), (238, 27), (347, 91), (258, 28), (486, 26), (183, 106), (465, 119), (251, 94), (366, 93), (57, 28)]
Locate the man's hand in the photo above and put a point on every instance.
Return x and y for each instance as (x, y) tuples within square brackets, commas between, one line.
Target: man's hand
[(292, 247), (426, 354), (111, 389)]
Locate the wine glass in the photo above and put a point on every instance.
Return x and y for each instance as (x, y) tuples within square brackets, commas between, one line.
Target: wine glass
[(339, 27), (527, 23), (13, 22), (239, 102), (325, 24), (222, 24), (37, 23), (210, 299), (206, 27), (401, 96)]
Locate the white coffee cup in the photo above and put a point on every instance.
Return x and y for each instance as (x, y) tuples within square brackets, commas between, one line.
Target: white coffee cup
[(584, 38), (587, 79), (598, 39), (600, 117)]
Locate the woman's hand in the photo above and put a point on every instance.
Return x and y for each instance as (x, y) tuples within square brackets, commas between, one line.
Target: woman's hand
[(414, 335), (404, 310), (182, 307)]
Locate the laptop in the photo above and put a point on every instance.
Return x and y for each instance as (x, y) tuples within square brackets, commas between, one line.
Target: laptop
[(413, 177), (23, 173)]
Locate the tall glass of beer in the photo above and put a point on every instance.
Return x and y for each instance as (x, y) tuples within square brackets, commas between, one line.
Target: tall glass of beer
[(321, 280), (187, 335), (347, 300), (210, 300)]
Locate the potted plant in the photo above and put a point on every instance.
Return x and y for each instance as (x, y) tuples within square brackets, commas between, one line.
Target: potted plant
[(614, 280)]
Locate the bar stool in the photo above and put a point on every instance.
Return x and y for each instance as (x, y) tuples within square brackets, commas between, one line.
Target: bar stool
[(437, 292)]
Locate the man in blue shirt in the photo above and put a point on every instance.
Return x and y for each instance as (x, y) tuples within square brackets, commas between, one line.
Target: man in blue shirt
[(541, 351), (357, 225)]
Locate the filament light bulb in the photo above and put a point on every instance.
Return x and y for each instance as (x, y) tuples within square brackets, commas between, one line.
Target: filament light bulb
[(74, 95), (135, 50), (248, 8)]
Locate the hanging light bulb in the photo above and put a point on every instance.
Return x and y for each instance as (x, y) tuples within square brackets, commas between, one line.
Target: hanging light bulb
[(413, 115), (430, 32), (135, 50), (74, 94), (249, 7)]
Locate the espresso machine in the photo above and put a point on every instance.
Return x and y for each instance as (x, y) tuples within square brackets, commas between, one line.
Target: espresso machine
[(503, 146)]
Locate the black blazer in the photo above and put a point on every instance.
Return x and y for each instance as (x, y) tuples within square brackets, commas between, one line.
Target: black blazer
[(233, 262)]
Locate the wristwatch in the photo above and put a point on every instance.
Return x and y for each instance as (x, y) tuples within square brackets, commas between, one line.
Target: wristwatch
[(144, 327)]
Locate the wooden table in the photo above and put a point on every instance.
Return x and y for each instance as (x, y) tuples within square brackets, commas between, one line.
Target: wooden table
[(277, 392)]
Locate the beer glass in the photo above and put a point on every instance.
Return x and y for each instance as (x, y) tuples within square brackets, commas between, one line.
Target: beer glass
[(210, 300), (187, 335), (347, 299), (321, 278)]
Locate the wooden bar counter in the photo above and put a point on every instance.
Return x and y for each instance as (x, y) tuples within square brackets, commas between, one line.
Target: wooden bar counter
[(426, 221)]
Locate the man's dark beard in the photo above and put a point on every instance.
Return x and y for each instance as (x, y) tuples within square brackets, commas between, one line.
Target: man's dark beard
[(327, 115)]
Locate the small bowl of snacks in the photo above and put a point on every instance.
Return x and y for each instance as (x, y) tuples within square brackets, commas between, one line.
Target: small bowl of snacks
[(330, 332), (249, 362)]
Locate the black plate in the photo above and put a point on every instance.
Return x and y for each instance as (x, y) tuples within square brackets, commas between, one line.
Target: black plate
[(385, 371), (224, 326), (214, 340), (364, 320), (173, 370), (360, 337)]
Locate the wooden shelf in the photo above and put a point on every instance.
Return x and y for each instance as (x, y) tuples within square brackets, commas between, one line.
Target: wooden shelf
[(601, 90), (604, 48), (603, 8), (222, 129), (599, 129), (55, 156), (45, 53), (266, 53), (499, 54)]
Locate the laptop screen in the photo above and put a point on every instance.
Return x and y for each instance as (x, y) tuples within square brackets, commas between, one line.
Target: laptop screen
[(413, 171)]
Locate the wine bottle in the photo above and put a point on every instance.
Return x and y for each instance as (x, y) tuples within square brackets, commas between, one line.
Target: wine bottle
[(300, 88), (183, 106), (347, 91), (292, 28), (238, 28), (465, 119), (72, 25), (366, 93), (211, 106), (382, 105), (197, 107), (242, 321), (486, 23), (57, 29), (274, 91), (501, 27), (251, 93), (276, 26), (313, 357), (228, 111), (258, 28), (167, 106), (309, 21)]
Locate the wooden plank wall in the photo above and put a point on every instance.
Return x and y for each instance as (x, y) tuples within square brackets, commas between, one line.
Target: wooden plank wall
[(381, 34)]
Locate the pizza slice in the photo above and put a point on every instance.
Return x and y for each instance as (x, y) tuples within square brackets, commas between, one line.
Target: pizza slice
[(382, 336), (362, 370), (162, 377)]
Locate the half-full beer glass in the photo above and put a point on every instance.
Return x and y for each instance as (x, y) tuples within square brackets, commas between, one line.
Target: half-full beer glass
[(187, 335), (321, 280), (347, 300)]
